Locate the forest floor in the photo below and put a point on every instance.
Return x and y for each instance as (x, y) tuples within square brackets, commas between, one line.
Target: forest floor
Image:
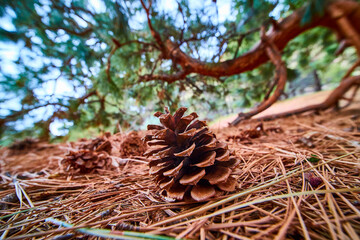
[(299, 178), (280, 107)]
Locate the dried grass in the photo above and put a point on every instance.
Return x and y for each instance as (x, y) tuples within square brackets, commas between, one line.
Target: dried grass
[(274, 200)]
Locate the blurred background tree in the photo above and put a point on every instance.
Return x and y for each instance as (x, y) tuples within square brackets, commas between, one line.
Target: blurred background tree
[(74, 68)]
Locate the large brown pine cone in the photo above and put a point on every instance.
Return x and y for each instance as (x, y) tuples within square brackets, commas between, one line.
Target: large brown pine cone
[(86, 161), (189, 161)]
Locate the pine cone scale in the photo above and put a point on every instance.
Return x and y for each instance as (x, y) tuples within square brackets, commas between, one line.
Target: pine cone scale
[(228, 185), (192, 178), (187, 152), (222, 155), (166, 135), (206, 160), (177, 191), (150, 151), (184, 122), (156, 169), (202, 192), (157, 142), (80, 162), (178, 114), (159, 161), (154, 127), (203, 136), (158, 114), (105, 146), (197, 124), (101, 163), (88, 164), (221, 145), (166, 183), (168, 121), (173, 171), (185, 136), (231, 163), (165, 153), (205, 148), (217, 175)]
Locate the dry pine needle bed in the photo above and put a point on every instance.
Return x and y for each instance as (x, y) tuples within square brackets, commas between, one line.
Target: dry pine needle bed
[(298, 178)]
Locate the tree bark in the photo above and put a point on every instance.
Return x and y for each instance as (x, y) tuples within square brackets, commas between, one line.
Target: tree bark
[(317, 81)]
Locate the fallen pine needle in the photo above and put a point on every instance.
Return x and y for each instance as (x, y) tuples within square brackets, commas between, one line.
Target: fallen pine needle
[(106, 233)]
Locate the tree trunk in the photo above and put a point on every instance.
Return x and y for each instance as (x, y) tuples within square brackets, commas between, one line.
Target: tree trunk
[(317, 81)]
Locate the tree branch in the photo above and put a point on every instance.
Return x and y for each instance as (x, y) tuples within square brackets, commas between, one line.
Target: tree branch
[(114, 49), (164, 77), (345, 27), (353, 67), (22, 112), (280, 79), (154, 33), (285, 30)]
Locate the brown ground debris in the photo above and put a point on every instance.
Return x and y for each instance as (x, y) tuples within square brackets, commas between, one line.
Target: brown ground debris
[(274, 199)]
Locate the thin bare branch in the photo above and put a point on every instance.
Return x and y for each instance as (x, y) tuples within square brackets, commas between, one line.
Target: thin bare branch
[(164, 77)]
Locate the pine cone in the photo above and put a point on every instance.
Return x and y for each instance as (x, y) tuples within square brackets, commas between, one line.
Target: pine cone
[(98, 144), (86, 161), (189, 161), (25, 144), (132, 145)]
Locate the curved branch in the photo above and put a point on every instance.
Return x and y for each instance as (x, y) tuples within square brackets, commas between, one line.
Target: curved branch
[(286, 30), (280, 79), (351, 98)]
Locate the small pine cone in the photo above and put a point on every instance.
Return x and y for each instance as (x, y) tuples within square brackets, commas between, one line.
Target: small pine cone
[(132, 145), (25, 144), (86, 161), (189, 161)]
